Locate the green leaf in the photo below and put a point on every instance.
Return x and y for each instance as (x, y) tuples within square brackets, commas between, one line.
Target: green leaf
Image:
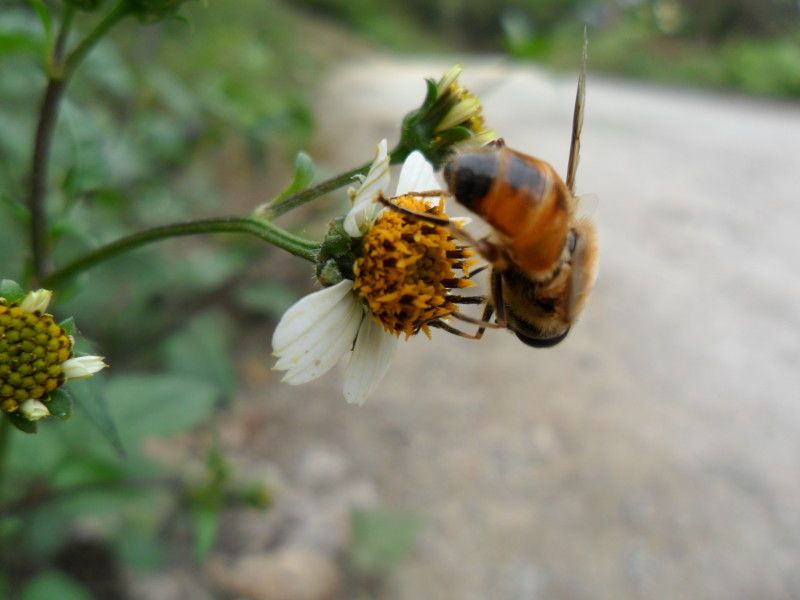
[(21, 422), (11, 291), (61, 403), (92, 402), (140, 547), (303, 176), (380, 538), (202, 351), (68, 325), (16, 41), (269, 297), (157, 405), (44, 16), (52, 585), (205, 522)]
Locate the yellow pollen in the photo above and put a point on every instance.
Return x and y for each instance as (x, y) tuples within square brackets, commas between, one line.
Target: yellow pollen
[(32, 349), (407, 268)]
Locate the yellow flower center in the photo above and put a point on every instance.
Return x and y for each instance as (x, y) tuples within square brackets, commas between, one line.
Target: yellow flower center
[(32, 350), (408, 268)]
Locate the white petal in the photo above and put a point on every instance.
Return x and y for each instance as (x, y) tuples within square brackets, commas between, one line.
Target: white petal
[(330, 351), (309, 342), (416, 175), (358, 220), (364, 210), (83, 366), (36, 301), (305, 312), (33, 410), (369, 361)]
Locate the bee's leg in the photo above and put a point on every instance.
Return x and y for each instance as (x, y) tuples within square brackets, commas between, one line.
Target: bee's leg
[(429, 193), (456, 299), (484, 323), (442, 325), (497, 295), (478, 270)]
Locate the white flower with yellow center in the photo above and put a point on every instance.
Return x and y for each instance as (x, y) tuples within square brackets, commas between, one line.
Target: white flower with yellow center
[(36, 356), (402, 278)]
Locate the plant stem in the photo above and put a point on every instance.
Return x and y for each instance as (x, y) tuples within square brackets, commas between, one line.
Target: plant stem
[(63, 33), (41, 151), (121, 10), (273, 210), (5, 440), (256, 227), (60, 72)]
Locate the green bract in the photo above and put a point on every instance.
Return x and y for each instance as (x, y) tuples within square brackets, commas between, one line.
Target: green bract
[(449, 115)]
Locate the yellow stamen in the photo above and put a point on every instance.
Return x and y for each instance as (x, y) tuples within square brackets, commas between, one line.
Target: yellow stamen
[(407, 267), (32, 350)]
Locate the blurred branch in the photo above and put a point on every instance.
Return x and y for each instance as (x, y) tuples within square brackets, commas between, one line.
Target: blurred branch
[(59, 72), (258, 228)]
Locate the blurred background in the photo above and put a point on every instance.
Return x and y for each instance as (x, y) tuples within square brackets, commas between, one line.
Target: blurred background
[(654, 454)]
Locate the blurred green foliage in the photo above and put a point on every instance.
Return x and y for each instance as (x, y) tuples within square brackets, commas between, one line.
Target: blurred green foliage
[(144, 121), (747, 45)]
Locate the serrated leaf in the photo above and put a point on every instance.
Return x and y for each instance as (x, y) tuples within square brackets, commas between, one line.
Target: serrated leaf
[(21, 423), (61, 403), (92, 402), (303, 176), (11, 291)]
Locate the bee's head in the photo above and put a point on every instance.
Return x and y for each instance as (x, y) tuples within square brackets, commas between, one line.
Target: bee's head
[(469, 176)]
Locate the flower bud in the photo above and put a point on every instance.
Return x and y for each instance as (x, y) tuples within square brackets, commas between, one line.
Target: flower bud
[(33, 410)]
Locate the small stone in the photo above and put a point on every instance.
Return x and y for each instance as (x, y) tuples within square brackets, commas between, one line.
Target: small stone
[(287, 574)]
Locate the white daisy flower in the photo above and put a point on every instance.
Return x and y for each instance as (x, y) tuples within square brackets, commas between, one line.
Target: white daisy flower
[(401, 281), (37, 356)]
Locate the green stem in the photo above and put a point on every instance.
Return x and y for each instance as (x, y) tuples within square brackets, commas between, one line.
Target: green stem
[(60, 72), (261, 229), (273, 210), (61, 39), (75, 58), (5, 440)]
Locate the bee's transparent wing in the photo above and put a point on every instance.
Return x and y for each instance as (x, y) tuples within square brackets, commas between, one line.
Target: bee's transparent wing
[(586, 205), (577, 118)]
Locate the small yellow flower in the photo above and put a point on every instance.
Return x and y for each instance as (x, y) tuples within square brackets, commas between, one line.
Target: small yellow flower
[(36, 356), (402, 279)]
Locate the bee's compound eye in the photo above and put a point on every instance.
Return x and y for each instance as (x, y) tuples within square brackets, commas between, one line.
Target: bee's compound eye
[(470, 176)]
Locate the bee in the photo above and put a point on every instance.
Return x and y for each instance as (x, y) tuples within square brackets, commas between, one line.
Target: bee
[(543, 258)]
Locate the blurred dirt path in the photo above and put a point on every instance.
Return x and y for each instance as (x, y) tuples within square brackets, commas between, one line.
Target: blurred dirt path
[(655, 453)]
